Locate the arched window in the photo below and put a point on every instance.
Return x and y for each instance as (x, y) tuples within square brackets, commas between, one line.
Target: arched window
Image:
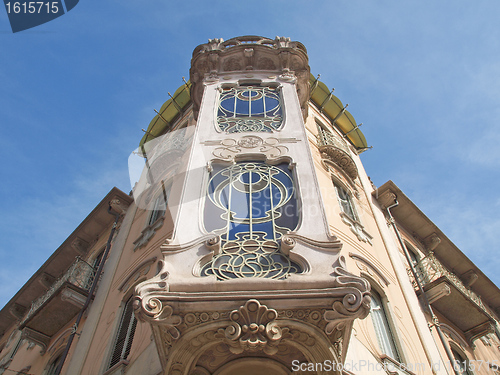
[(461, 364), (51, 370), (249, 109), (382, 328), (251, 205), (126, 330)]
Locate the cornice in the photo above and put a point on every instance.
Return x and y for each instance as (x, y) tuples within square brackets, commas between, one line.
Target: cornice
[(245, 54)]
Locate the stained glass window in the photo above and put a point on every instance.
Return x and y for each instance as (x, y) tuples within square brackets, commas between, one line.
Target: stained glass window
[(251, 205), (249, 109)]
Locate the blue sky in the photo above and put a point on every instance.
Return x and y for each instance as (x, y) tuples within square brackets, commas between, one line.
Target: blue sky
[(423, 77)]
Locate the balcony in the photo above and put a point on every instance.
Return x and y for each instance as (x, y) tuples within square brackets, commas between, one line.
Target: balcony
[(448, 295), (335, 151), (58, 305)]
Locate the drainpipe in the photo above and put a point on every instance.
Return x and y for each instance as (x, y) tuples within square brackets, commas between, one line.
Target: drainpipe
[(427, 305), (90, 295)]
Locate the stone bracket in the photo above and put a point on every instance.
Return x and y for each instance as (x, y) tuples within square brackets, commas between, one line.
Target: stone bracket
[(36, 337)]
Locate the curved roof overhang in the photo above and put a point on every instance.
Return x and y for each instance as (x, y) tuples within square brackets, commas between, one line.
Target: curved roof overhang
[(332, 107), (328, 104), (168, 113)]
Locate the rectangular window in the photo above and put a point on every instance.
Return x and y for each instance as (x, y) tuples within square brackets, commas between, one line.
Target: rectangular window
[(158, 209), (125, 335), (345, 202), (382, 328)]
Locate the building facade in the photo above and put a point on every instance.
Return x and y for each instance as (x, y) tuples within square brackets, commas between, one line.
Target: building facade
[(254, 243)]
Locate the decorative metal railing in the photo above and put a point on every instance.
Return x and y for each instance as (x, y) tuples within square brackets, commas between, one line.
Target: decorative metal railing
[(336, 151), (429, 269), (80, 274), (326, 138)]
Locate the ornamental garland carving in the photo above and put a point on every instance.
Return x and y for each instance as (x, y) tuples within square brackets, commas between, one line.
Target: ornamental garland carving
[(230, 147), (340, 158)]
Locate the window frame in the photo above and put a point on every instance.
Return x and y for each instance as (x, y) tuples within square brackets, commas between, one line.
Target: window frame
[(463, 361), (51, 366), (349, 201), (385, 328), (243, 122), (158, 210), (126, 329)]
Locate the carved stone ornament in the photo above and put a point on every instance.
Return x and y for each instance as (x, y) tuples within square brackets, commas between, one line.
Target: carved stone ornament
[(249, 53), (253, 328), (357, 229), (230, 147), (147, 233), (354, 304), (340, 158), (386, 198), (154, 309), (36, 337), (118, 206)]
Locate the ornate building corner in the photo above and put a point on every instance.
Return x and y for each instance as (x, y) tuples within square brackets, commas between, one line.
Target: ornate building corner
[(253, 328), (250, 54)]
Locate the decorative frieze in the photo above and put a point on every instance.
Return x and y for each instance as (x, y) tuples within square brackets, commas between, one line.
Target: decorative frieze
[(229, 148)]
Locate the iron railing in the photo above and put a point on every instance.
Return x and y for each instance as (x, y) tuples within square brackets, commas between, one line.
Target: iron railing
[(80, 274), (429, 269), (325, 138)]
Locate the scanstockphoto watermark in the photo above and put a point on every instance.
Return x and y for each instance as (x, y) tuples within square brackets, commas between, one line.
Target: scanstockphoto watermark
[(26, 14), (357, 366)]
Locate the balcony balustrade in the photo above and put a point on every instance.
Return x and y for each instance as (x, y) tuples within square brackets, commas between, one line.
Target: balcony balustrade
[(448, 294), (336, 151), (61, 302)]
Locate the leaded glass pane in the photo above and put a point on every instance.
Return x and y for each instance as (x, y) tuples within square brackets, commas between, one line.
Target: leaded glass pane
[(251, 205), (249, 109)]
